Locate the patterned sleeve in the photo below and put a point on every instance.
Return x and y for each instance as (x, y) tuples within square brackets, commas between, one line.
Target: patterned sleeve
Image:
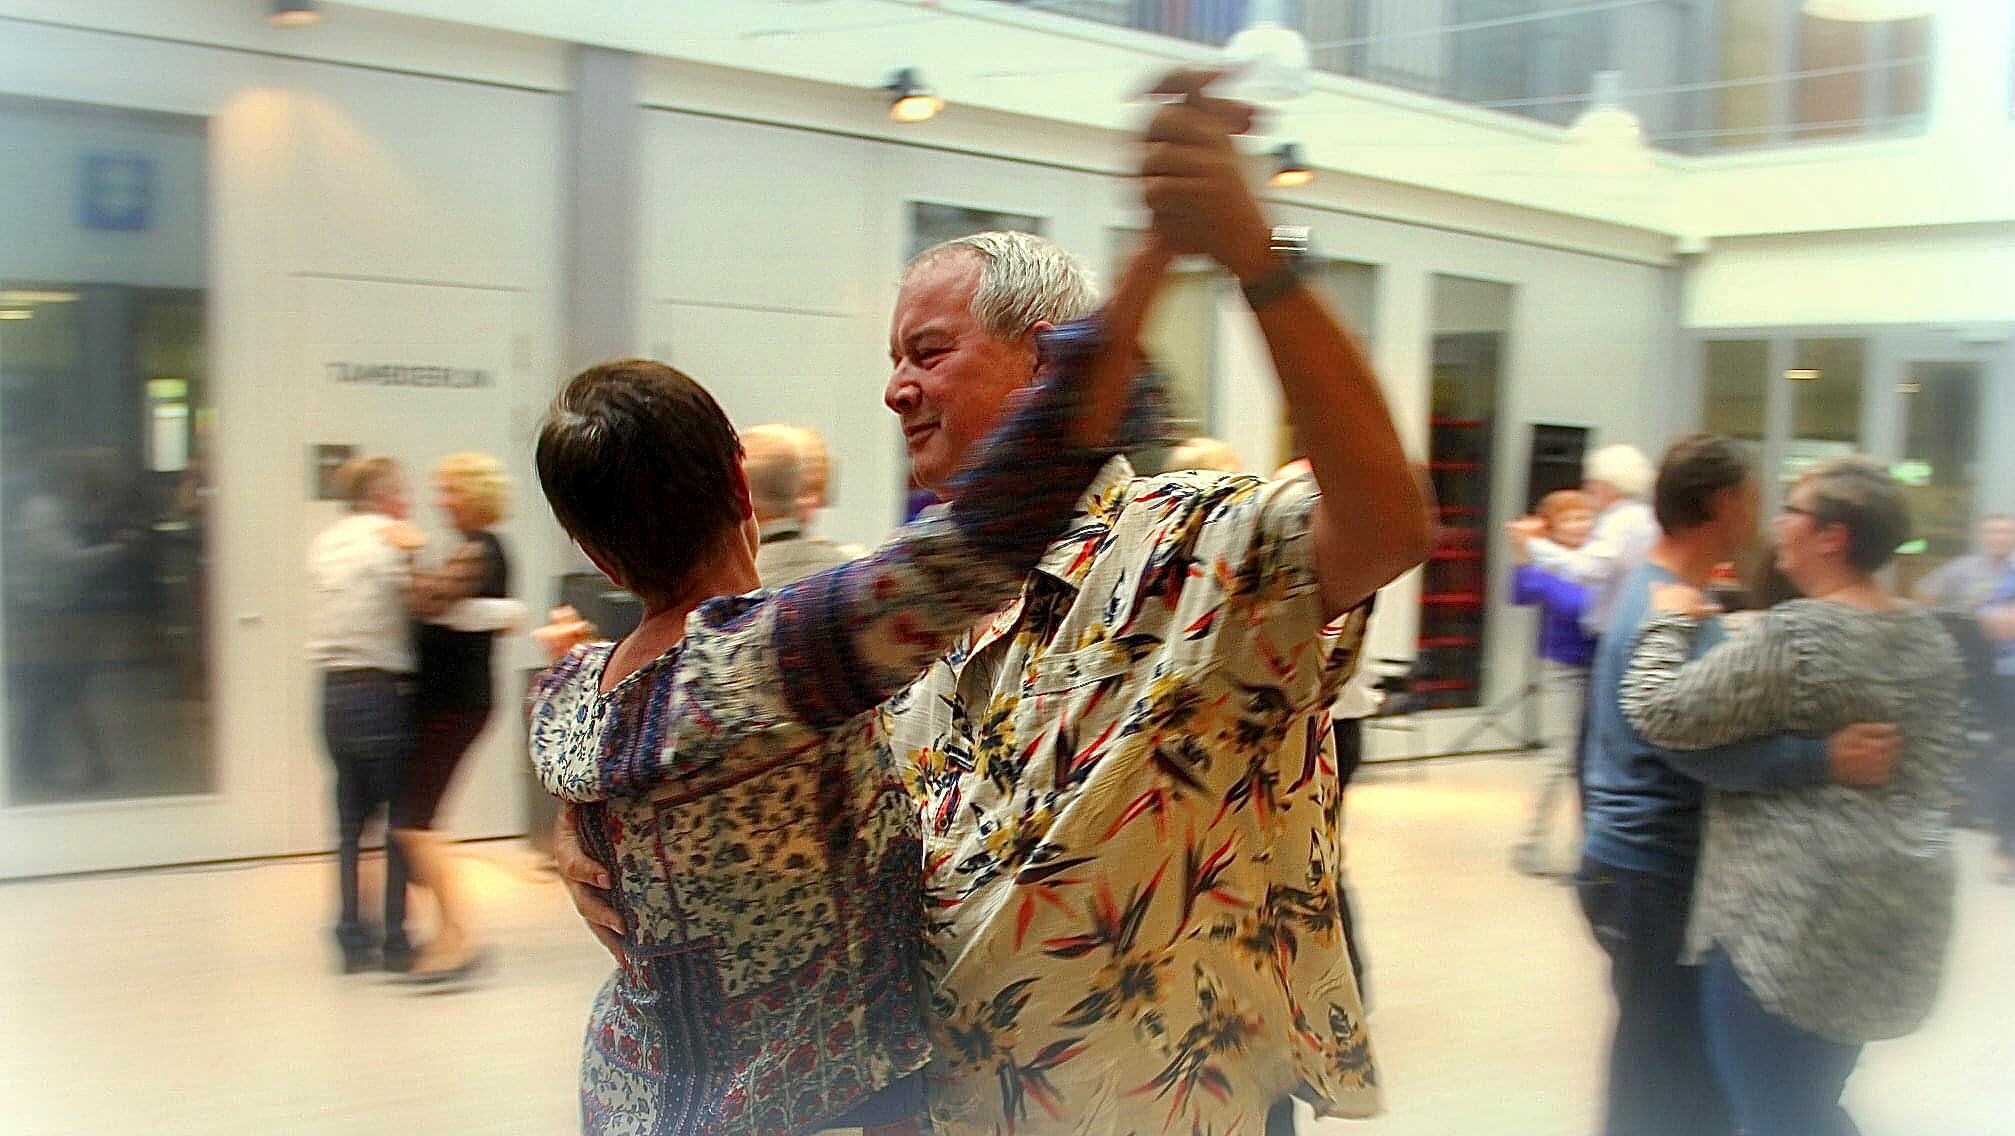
[(760, 678), (849, 637), (1740, 689), (1747, 682)]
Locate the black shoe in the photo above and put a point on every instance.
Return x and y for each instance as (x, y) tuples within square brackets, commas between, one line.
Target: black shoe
[(397, 958), (357, 960)]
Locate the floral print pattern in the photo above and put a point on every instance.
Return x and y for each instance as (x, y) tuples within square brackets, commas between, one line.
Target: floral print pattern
[(1130, 819), (766, 860)]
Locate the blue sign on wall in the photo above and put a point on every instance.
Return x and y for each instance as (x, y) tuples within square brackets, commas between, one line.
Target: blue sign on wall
[(117, 192)]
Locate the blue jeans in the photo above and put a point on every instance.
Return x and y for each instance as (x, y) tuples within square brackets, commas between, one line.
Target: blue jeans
[(1660, 1082), (1781, 1080), (367, 723)]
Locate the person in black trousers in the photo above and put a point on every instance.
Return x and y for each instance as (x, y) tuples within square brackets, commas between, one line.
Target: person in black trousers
[(463, 605)]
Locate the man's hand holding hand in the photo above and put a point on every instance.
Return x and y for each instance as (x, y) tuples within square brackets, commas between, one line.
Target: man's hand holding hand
[(587, 881), (1194, 181), (1865, 754)]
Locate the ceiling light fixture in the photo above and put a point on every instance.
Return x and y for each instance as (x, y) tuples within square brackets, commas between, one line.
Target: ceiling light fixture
[(293, 13), (1866, 11), (1291, 171), (16, 314), (1268, 60), (909, 99), (1802, 374), (1607, 138)]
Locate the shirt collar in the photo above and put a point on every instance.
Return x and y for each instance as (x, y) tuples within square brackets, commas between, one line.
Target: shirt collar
[(1069, 557)]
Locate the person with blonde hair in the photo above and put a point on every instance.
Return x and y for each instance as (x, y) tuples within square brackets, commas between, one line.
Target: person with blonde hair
[(462, 606), (1205, 453), (780, 469), (1565, 650)]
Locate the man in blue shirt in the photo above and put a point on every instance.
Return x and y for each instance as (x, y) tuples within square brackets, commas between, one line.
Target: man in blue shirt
[(1642, 807)]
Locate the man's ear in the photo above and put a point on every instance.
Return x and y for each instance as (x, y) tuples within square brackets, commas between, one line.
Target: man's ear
[(1033, 338)]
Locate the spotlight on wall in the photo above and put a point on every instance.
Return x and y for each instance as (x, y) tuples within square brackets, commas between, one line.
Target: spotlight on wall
[(1866, 11), (909, 99), (293, 13), (1290, 170)]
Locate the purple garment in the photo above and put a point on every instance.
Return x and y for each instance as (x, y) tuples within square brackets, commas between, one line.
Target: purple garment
[(1561, 603)]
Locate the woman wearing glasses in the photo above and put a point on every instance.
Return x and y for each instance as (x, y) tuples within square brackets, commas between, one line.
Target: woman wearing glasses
[(1820, 913)]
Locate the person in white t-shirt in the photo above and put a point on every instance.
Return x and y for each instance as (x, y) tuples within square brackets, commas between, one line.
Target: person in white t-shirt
[(1619, 478), (360, 638)]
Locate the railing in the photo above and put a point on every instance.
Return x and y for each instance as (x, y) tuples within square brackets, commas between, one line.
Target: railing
[(1686, 66)]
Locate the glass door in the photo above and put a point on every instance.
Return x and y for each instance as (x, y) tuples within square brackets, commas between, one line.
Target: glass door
[(1940, 461), (1917, 398), (109, 754)]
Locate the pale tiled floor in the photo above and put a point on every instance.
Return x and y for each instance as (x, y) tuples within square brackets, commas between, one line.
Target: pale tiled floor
[(201, 1002)]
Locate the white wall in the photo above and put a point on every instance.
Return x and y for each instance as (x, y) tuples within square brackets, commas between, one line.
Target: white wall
[(1953, 274), (354, 216), (772, 271)]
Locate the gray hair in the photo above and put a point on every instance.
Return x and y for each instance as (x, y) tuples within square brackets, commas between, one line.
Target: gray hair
[(775, 468), (1623, 468), (1024, 280), (1858, 493)]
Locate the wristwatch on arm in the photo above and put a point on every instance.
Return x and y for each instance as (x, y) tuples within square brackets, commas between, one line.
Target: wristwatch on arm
[(1289, 245)]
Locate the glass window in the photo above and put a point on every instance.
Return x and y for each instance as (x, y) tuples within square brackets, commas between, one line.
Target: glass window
[(103, 452), (1834, 102), (1940, 464), (932, 223), (1180, 337), (1751, 39), (1352, 292), (1826, 376), (1732, 387), (1908, 56)]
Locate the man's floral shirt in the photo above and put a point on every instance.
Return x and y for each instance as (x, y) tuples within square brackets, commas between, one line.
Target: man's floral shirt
[(1130, 823)]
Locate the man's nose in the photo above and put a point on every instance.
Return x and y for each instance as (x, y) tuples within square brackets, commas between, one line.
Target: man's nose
[(900, 395)]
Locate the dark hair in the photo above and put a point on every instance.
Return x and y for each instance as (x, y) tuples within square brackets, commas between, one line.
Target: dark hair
[(639, 464), (1858, 494), (1695, 470)]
